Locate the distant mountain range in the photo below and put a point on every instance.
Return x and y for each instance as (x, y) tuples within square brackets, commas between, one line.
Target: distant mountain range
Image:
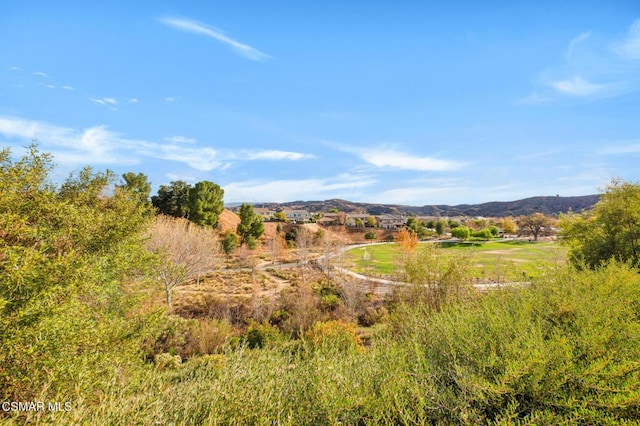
[(548, 205)]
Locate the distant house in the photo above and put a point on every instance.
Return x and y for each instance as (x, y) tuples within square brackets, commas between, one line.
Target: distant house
[(353, 220), (264, 212), (298, 216), (330, 219), (389, 221)]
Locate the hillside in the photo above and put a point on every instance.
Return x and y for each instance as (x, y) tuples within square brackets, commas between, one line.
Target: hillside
[(549, 205)]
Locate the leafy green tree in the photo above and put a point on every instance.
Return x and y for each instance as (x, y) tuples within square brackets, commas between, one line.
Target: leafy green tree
[(137, 185), (250, 227), (229, 243), (412, 223), (205, 203), (494, 230), (441, 226), (417, 227), (72, 264), (461, 232), (611, 230), (173, 199)]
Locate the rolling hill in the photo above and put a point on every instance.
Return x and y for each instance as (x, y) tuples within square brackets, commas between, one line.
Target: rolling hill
[(549, 205)]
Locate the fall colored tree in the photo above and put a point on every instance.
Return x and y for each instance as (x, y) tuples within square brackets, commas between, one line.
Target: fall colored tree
[(508, 225), (407, 240), (534, 223)]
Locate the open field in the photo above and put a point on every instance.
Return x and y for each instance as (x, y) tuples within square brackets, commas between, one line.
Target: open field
[(494, 260)]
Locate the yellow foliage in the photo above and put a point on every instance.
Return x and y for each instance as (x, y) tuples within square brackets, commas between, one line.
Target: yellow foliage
[(407, 240)]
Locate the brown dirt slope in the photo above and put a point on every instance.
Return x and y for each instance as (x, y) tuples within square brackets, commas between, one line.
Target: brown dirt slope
[(228, 220)]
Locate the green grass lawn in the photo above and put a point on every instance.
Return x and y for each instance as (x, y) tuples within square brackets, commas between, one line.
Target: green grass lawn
[(493, 260)]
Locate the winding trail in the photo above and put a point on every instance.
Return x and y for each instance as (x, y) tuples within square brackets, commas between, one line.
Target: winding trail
[(388, 282)]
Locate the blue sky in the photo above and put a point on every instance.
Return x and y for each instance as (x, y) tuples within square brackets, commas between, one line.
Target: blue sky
[(407, 102)]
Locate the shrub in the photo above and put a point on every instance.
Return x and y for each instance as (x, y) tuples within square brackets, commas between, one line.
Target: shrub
[(167, 361), (371, 235), (260, 335), (73, 268), (461, 232), (333, 334), (330, 302), (484, 234)]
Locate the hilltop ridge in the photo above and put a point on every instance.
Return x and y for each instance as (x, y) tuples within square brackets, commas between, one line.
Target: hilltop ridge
[(549, 205)]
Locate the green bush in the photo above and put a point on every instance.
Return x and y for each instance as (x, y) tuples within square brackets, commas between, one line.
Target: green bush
[(334, 334), (484, 234), (461, 232), (261, 335), (73, 268)]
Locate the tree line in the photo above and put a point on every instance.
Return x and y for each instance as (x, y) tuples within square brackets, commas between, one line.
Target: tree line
[(201, 203)]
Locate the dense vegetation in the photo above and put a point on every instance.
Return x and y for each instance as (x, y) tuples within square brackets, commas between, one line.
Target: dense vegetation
[(79, 323), (73, 270)]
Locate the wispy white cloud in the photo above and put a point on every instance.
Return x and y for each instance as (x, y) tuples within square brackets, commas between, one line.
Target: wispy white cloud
[(14, 68), (180, 139), (273, 155), (202, 29), (391, 157), (99, 145), (578, 86), (50, 86), (399, 160), (104, 101), (342, 186), (95, 145), (622, 147), (534, 98), (170, 99), (577, 41), (67, 87), (186, 178), (629, 48), (133, 100), (419, 196), (594, 68), (41, 74), (199, 158)]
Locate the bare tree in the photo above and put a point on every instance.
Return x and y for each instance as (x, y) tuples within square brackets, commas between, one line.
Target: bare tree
[(303, 243), (187, 251), (276, 246), (331, 255)]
